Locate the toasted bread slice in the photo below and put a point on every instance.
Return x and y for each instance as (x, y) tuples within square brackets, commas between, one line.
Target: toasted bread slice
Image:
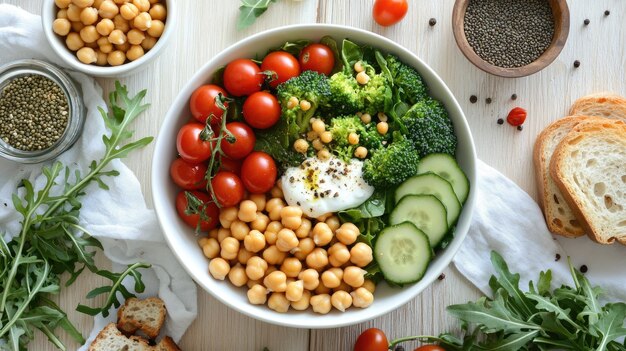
[(589, 167), (167, 344), (111, 339), (146, 315), (607, 105)]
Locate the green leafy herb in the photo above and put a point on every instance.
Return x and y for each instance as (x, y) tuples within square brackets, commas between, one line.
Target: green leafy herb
[(250, 10), (52, 242)]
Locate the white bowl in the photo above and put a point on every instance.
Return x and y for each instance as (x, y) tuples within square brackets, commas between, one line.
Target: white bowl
[(182, 239), (48, 15)]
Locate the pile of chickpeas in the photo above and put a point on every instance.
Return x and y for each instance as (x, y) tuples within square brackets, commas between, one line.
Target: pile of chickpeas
[(288, 260), (109, 31)]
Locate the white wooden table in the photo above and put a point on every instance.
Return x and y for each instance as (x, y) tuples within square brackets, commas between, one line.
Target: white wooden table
[(208, 26)]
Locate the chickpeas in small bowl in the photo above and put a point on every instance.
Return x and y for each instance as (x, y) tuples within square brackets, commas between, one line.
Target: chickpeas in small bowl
[(108, 38)]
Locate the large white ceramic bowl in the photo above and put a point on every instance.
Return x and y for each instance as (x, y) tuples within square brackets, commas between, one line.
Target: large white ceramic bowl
[(182, 239)]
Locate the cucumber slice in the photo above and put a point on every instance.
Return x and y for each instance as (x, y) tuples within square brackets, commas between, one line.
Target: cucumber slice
[(446, 167), (432, 184), (403, 253), (426, 212)]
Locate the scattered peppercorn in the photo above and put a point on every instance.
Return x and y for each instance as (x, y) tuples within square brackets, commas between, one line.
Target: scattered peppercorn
[(520, 128), (558, 257), (514, 97), (583, 268), (500, 121), (586, 22), (432, 22), (473, 99), (576, 64), (441, 276), (399, 348), (488, 100), (34, 113), (607, 12)]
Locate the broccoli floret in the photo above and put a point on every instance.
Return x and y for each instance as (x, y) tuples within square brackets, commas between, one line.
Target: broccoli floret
[(430, 128), (310, 86), (373, 93), (341, 127), (410, 86), (345, 94), (371, 139), (391, 166)]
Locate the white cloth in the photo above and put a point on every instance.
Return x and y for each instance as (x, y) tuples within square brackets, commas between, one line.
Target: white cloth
[(118, 217)]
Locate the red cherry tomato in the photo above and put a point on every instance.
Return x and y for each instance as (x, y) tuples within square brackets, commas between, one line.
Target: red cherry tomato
[(516, 117), (244, 141), (189, 176), (318, 58), (372, 340), (258, 172), (192, 220), (230, 165), (261, 110), (284, 66), (227, 188), (202, 103), (388, 12), (190, 145), (242, 77), (430, 348)]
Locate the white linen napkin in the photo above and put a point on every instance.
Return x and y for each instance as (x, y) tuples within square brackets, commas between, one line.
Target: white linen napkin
[(118, 217)]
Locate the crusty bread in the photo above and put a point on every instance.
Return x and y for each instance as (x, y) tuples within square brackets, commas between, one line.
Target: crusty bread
[(146, 315), (589, 167), (167, 344), (607, 105), (111, 339)]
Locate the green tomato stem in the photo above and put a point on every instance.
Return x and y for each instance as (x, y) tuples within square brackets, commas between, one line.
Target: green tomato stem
[(395, 342)]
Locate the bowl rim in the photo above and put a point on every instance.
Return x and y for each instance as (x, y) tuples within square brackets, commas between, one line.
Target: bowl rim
[(544, 60), (69, 58), (159, 198)]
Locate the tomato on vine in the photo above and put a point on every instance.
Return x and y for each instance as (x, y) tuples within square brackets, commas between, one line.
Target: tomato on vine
[(243, 143), (317, 57), (202, 103), (189, 176), (227, 188), (261, 110), (430, 348), (203, 214), (242, 77), (191, 144), (259, 172), (280, 66)]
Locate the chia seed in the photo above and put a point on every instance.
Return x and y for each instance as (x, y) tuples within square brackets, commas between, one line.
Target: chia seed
[(509, 33), (432, 22), (34, 113), (473, 99)]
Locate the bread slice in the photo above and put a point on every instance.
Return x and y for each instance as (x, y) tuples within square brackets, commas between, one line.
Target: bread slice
[(607, 105), (146, 315), (589, 167), (111, 339), (167, 344)]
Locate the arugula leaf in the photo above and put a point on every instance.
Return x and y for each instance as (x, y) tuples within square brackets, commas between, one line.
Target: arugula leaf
[(510, 283), (332, 44), (610, 325), (250, 10), (350, 54)]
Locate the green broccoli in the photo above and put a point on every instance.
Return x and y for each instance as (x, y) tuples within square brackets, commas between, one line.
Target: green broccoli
[(371, 139), (430, 128), (391, 166), (409, 84), (341, 127), (373, 93), (345, 91), (310, 86)]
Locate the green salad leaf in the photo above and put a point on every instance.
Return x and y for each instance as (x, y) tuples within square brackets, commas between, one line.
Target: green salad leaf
[(250, 10)]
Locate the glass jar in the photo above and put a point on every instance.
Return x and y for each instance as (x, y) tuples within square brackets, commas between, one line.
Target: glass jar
[(76, 106)]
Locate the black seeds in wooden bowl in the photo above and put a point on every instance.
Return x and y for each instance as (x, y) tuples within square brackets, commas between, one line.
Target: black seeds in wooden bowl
[(509, 33)]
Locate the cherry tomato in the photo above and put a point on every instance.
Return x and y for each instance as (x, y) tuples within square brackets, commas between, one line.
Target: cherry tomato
[(261, 110), (372, 339), (230, 165), (210, 209), (258, 172), (284, 66), (227, 188), (244, 141), (190, 145), (189, 176), (318, 58), (202, 103), (430, 348), (388, 12), (242, 77), (516, 117)]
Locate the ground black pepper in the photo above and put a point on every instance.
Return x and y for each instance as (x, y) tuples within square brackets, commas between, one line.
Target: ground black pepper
[(34, 113), (432, 22), (473, 99)]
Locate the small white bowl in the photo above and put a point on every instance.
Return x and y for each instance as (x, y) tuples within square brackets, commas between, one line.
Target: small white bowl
[(182, 240), (48, 15)]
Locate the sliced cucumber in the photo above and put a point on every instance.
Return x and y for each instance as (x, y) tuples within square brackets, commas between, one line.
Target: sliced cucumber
[(446, 167), (402, 252), (426, 212), (432, 184)]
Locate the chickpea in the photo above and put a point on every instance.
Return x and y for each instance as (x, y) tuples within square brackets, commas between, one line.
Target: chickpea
[(77, 26), (324, 217), (227, 216), (211, 248), (143, 21), (62, 4), (74, 42), (362, 298), (360, 152), (305, 105), (257, 294), (317, 259), (116, 58), (89, 34), (366, 118), (382, 128), (278, 302), (291, 267), (104, 45), (259, 201), (213, 233), (108, 9), (303, 303), (274, 206), (362, 78), (219, 268), (358, 67), (244, 255), (322, 234), (82, 3), (369, 285), (247, 211), (222, 234), (256, 268), (261, 222), (121, 23), (61, 26), (254, 241), (148, 43), (86, 55), (105, 27), (97, 3), (318, 126), (291, 217), (101, 58), (361, 254), (338, 254), (347, 233), (277, 192), (382, 117), (62, 14), (270, 237), (230, 248), (321, 303), (158, 12), (73, 13), (270, 269), (252, 283), (135, 37), (276, 281), (326, 137), (304, 229), (93, 45), (129, 11), (341, 300), (322, 289), (318, 145), (323, 154), (310, 278), (117, 37), (333, 222), (88, 16), (273, 255), (239, 229), (156, 29), (343, 287), (286, 240), (354, 276), (294, 290), (353, 138), (237, 275), (332, 277), (292, 102), (142, 5), (311, 135)]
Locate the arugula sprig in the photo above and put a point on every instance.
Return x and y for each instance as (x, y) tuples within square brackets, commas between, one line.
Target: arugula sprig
[(250, 10), (52, 242)]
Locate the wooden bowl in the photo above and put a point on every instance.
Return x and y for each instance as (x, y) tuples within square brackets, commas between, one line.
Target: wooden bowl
[(561, 31)]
